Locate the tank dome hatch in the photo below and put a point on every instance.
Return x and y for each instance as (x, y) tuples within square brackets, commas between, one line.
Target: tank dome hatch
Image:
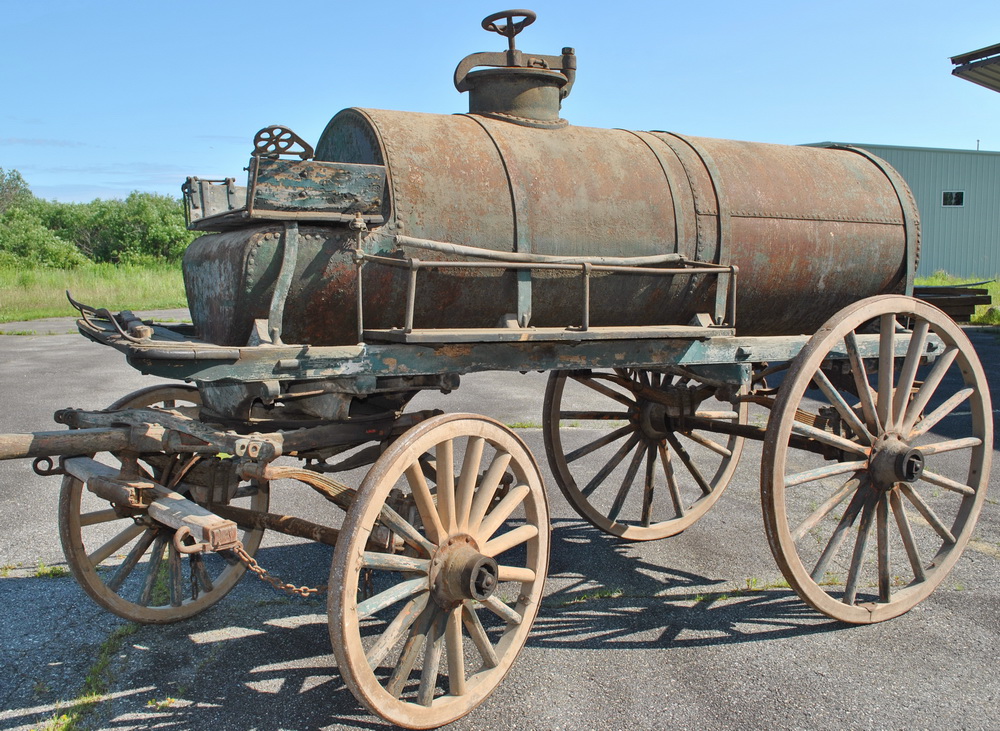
[(519, 87)]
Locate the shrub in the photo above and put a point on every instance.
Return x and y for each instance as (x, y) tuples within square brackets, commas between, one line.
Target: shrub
[(25, 238)]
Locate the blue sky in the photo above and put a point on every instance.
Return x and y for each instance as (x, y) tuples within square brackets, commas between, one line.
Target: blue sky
[(106, 97)]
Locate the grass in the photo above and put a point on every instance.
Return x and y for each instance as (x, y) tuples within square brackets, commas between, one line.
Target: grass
[(985, 315), (95, 685), (29, 294), (602, 593), (50, 572)]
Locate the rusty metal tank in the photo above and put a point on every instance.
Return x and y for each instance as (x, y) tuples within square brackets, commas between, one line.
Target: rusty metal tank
[(810, 229)]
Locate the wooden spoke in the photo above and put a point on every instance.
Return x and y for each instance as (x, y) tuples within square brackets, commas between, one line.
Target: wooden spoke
[(484, 495), (612, 464), (153, 570), (112, 546), (445, 458), (805, 537), (908, 373), (928, 388), (882, 537), (604, 390), (848, 414), (515, 573), (886, 368), (831, 440), (421, 619), (405, 530), (503, 611), (432, 659), (200, 573), (417, 481), (860, 374), (858, 557), (599, 443), (848, 489), (508, 540), (467, 480), (502, 511), (99, 516), (839, 534), (819, 473), (946, 483), (176, 577), (456, 656), (399, 592), (479, 637), (129, 564), (942, 411), (906, 533), (397, 629), (411, 653), (630, 473), (593, 415), (668, 471), (708, 444), (649, 485), (689, 463), (952, 445), (928, 514), (394, 562)]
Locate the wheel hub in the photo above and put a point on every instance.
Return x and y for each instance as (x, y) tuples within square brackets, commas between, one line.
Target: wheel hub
[(460, 572), (653, 420), (893, 461)]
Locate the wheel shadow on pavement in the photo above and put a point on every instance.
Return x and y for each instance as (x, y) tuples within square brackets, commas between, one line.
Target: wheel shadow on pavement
[(626, 601)]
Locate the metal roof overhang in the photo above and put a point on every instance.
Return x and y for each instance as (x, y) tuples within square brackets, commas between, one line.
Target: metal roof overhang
[(980, 67)]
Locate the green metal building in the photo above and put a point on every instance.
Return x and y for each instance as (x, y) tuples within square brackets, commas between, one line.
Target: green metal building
[(958, 195)]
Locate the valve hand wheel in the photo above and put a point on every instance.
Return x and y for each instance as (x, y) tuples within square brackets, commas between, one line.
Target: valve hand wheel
[(512, 28)]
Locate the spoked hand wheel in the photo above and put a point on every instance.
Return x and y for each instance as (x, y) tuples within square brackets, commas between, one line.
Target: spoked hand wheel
[(130, 566), (439, 570), (875, 469)]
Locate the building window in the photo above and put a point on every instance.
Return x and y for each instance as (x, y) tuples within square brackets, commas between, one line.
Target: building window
[(953, 198)]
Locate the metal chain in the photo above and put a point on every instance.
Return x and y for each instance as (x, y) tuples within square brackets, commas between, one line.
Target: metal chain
[(252, 565)]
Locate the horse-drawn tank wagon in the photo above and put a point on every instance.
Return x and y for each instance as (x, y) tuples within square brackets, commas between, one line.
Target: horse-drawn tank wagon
[(668, 283)]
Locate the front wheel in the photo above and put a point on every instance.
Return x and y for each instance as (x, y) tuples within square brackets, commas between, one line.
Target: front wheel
[(439, 570), (129, 565)]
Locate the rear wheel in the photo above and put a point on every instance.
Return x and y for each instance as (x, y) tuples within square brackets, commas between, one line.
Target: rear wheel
[(868, 527), (648, 478)]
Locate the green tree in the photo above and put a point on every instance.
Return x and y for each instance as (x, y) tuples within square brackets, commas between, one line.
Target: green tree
[(14, 191)]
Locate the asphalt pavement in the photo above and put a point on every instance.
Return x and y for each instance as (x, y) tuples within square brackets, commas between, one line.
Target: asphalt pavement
[(694, 631)]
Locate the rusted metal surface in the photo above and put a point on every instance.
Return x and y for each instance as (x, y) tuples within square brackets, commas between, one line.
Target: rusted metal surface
[(810, 229), (314, 187)]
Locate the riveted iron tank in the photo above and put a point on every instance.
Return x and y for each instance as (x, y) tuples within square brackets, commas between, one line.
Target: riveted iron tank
[(810, 229)]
